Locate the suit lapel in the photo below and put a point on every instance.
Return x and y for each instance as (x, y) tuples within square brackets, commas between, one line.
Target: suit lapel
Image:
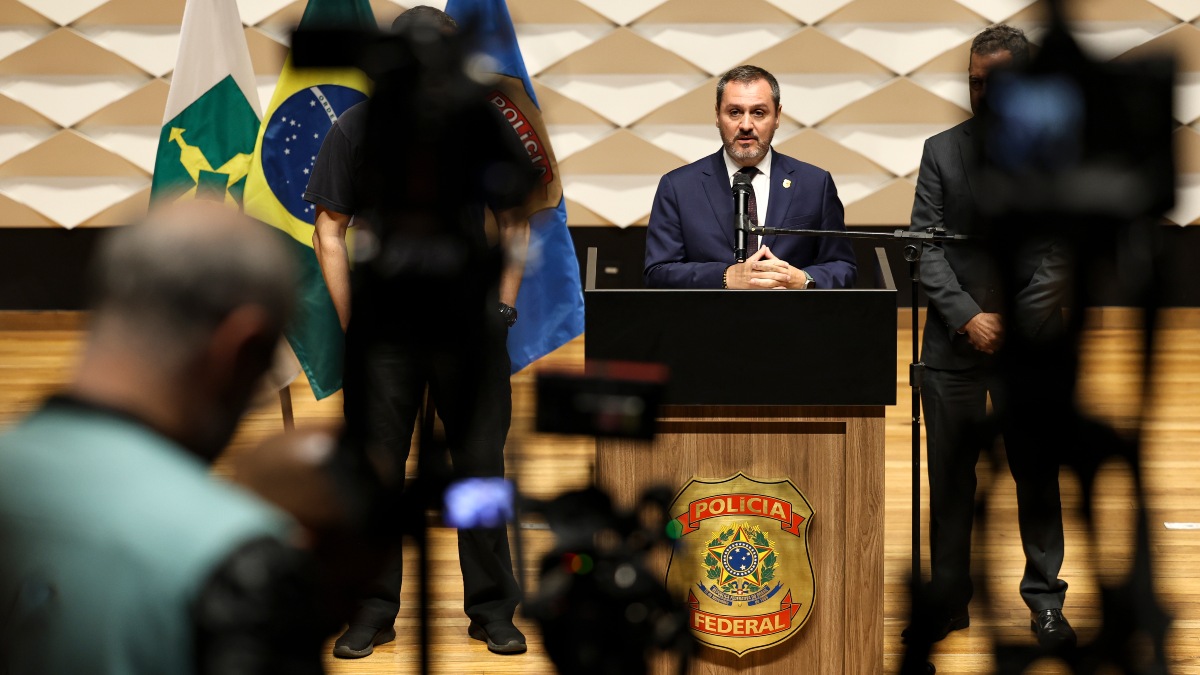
[(716, 187), (781, 199), (969, 157)]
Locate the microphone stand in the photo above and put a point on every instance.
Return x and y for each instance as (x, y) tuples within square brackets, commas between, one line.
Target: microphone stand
[(916, 368)]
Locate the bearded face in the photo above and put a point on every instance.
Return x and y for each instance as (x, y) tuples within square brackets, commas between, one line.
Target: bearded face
[(747, 119)]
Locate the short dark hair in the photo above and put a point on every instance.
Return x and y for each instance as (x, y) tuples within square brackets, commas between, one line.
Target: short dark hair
[(1001, 37), (746, 75), (424, 15)]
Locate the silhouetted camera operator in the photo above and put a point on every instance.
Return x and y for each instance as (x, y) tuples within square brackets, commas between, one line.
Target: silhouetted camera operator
[(418, 167)]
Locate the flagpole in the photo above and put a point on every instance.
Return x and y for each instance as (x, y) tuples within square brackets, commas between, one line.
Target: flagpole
[(285, 406)]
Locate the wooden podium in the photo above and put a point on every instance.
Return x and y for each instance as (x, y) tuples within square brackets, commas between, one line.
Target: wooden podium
[(774, 385)]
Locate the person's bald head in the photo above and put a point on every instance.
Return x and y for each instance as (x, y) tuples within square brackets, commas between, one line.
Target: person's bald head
[(175, 276), (188, 309), (426, 17)]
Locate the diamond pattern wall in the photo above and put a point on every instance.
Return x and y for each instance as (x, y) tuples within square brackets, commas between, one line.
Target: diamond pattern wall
[(627, 87)]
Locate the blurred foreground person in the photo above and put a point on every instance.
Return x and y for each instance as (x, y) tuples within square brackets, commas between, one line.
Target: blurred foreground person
[(122, 554)]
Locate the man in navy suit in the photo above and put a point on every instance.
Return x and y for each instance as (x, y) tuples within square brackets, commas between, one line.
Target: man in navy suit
[(690, 240)]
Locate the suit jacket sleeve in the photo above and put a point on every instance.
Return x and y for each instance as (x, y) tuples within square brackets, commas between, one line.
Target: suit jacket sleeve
[(1042, 298), (938, 278), (666, 252), (834, 265)]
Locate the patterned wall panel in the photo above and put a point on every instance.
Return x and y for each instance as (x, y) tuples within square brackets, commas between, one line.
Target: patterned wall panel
[(627, 87)]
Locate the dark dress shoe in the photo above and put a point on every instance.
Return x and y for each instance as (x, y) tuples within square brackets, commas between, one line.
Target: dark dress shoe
[(359, 641), (502, 637), (938, 631), (1052, 629)]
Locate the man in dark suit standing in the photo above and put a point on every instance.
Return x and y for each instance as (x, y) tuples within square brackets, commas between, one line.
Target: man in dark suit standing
[(964, 329), (690, 239)]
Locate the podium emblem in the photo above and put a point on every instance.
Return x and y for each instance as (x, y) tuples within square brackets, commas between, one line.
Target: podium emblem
[(741, 561)]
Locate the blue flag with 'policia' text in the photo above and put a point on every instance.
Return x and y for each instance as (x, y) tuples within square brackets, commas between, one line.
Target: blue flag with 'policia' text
[(550, 303)]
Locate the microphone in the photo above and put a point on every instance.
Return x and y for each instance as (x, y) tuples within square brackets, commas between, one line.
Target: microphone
[(741, 216)]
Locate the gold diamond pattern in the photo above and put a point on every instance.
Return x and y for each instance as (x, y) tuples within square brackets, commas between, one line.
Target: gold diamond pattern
[(627, 87)]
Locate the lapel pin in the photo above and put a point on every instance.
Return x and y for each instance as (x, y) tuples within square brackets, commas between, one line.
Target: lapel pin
[(787, 183)]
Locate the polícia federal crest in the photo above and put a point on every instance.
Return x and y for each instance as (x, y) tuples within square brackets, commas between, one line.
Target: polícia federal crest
[(741, 561)]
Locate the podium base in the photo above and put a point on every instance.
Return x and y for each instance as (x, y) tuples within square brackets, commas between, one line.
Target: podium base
[(834, 455)]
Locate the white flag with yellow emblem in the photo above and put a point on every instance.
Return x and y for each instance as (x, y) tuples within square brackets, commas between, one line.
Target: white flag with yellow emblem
[(212, 115), (210, 125)]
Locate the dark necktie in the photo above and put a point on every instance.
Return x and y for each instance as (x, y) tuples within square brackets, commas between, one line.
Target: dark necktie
[(752, 209)]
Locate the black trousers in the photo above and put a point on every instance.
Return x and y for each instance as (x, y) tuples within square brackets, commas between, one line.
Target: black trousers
[(955, 404), (468, 377)]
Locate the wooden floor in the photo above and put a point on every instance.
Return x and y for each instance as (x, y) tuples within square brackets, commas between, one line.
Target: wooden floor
[(36, 354)]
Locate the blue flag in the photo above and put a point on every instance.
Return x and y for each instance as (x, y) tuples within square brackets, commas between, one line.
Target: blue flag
[(550, 304)]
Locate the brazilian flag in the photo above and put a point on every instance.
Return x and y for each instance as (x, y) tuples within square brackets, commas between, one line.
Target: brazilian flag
[(304, 106)]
